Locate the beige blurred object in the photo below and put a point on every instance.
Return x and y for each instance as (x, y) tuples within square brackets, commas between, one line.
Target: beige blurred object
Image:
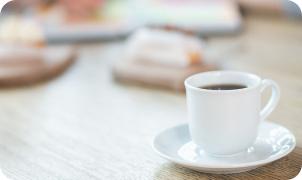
[(26, 65), (162, 47), (21, 31), (273, 7), (160, 58)]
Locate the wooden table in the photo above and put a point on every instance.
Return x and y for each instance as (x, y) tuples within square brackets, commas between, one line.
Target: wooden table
[(84, 126)]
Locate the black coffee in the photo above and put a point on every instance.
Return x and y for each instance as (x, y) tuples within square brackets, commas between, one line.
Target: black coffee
[(223, 87)]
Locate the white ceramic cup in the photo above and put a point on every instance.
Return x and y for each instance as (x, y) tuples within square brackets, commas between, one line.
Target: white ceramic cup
[(225, 122)]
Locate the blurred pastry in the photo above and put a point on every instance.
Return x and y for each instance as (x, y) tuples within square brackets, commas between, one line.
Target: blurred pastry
[(163, 47), (15, 30)]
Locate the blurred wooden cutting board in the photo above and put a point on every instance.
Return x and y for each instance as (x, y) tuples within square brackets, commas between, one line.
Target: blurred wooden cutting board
[(154, 75), (25, 66)]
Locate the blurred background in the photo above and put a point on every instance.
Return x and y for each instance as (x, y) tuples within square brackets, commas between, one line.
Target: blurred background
[(168, 37)]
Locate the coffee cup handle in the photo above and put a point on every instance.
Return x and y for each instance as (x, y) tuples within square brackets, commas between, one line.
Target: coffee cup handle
[(274, 99)]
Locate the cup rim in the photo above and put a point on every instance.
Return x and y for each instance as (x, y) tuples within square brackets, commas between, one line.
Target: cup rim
[(189, 86)]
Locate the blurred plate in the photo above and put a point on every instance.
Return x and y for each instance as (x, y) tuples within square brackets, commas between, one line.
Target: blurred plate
[(24, 65)]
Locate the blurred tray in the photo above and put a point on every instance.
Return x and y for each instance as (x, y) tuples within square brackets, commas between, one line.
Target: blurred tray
[(119, 18)]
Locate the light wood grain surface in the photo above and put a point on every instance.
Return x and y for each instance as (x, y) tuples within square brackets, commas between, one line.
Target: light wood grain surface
[(84, 126)]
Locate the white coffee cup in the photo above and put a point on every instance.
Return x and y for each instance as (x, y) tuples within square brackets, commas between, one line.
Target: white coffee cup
[(226, 122)]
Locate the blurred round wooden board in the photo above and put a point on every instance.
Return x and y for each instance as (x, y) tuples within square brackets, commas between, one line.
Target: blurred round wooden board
[(21, 66)]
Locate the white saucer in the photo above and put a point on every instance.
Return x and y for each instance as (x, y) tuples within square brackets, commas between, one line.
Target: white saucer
[(273, 143)]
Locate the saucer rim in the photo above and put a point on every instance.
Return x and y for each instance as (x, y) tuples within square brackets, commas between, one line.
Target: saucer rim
[(223, 166)]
